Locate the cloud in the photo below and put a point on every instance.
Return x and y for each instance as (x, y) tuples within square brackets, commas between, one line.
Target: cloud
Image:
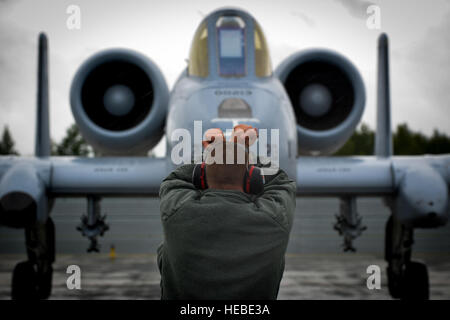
[(12, 65), (427, 64), (17, 65), (306, 19), (18, 82), (357, 8)]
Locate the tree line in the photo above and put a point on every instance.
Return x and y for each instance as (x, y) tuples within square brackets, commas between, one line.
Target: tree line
[(73, 144), (362, 142), (405, 142)]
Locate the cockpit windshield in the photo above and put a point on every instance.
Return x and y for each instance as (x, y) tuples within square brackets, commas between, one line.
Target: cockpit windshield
[(231, 46), (231, 56), (263, 66), (198, 57)]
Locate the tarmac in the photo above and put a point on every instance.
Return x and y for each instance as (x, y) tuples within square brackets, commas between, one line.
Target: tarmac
[(316, 268)]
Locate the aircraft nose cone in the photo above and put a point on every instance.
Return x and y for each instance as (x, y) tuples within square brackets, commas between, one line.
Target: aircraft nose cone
[(315, 100), (118, 100)]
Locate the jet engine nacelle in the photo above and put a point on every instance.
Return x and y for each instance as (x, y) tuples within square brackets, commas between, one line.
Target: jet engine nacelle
[(422, 198), (119, 100), (22, 197), (328, 97)]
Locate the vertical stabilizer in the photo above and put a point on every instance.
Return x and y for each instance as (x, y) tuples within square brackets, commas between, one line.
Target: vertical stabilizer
[(383, 136), (42, 143)]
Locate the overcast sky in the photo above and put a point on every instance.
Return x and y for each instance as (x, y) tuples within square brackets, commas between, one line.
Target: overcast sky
[(419, 32)]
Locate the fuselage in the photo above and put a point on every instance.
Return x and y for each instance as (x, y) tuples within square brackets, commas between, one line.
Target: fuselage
[(224, 103), (228, 81)]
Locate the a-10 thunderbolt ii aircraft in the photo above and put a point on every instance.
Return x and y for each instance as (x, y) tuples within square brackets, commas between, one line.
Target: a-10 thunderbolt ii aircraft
[(315, 98)]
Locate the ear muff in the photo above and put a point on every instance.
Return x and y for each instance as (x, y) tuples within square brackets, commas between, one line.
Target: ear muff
[(199, 176), (253, 180)]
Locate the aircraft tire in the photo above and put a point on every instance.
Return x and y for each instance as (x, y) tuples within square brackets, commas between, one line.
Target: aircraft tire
[(50, 229), (388, 240), (415, 282), (394, 284), (24, 282), (44, 284)]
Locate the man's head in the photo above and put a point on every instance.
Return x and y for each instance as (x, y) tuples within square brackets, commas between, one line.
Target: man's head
[(227, 161), (226, 172)]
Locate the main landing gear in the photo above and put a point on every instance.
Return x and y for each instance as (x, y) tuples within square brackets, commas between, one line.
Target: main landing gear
[(32, 279), (407, 279)]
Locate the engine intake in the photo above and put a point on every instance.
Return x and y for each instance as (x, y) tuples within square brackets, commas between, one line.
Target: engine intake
[(119, 100), (328, 97), (23, 198)]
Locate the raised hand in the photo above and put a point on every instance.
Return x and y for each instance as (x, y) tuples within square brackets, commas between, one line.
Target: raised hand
[(244, 134)]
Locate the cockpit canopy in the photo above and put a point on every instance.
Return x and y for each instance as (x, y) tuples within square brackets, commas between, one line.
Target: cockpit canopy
[(229, 44)]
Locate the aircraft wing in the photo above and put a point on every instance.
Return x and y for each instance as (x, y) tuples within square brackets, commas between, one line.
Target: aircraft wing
[(321, 176), (334, 176), (115, 176), (75, 176), (371, 176)]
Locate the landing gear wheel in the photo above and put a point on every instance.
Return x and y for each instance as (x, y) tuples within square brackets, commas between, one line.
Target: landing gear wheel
[(388, 240), (50, 227), (394, 284), (44, 284), (415, 283), (24, 282), (40, 242)]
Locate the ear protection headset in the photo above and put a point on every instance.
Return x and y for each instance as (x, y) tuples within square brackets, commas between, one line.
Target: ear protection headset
[(253, 179)]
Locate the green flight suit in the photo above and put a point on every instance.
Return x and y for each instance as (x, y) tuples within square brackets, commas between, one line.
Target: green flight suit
[(223, 244)]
